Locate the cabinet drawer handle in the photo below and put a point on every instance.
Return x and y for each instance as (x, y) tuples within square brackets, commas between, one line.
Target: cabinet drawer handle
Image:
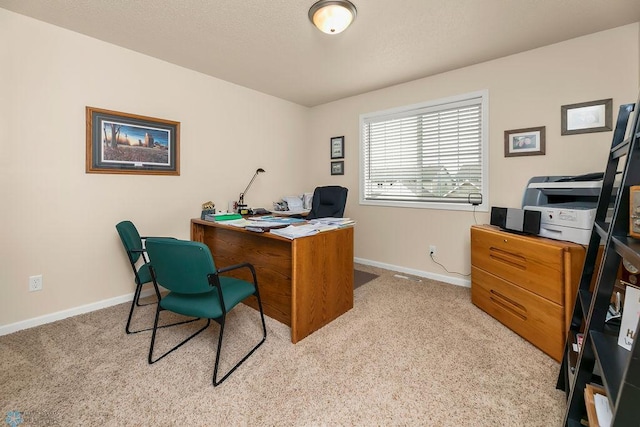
[(508, 304), (513, 260)]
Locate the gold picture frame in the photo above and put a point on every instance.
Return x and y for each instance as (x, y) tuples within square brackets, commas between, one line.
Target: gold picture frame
[(123, 143)]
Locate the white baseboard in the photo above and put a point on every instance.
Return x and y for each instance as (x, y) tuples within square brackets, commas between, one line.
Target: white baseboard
[(439, 277), (48, 318)]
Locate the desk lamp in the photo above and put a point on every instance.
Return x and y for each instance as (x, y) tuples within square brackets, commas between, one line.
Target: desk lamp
[(242, 208)]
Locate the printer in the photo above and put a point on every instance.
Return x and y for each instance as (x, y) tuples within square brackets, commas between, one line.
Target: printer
[(567, 205)]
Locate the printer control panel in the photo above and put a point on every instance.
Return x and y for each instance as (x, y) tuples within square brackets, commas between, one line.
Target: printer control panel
[(578, 218), (565, 223), (566, 216)]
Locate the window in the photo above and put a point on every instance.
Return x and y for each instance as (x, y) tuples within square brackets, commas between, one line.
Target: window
[(429, 155)]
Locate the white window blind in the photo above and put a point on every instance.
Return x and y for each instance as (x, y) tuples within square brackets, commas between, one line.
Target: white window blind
[(426, 154)]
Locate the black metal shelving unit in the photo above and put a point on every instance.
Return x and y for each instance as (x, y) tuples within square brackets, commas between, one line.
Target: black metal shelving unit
[(601, 360)]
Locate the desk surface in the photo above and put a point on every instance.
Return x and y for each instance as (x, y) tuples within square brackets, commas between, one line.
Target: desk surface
[(304, 283)]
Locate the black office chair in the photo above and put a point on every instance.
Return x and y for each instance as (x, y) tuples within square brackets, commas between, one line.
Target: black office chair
[(328, 201), (198, 289)]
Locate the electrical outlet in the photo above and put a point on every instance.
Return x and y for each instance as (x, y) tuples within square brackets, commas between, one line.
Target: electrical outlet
[(35, 283), (432, 250)]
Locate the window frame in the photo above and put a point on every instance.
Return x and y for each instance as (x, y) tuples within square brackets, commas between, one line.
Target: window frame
[(483, 95)]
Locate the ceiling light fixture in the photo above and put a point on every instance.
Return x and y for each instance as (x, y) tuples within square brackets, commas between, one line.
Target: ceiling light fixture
[(332, 16)]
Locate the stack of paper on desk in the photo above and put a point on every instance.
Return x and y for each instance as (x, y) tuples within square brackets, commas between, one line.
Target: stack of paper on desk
[(276, 219), (237, 222), (293, 232), (292, 212), (219, 217), (243, 223), (338, 222)]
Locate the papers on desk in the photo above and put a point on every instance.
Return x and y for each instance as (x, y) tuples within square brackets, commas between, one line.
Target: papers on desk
[(292, 212), (295, 231), (245, 223), (337, 222), (240, 223), (276, 219), (284, 227), (314, 226), (294, 203)]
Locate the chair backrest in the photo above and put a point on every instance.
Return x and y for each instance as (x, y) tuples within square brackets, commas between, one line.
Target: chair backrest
[(328, 201), (181, 266), (130, 240)]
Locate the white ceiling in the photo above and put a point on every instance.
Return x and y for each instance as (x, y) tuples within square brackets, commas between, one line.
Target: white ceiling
[(270, 45)]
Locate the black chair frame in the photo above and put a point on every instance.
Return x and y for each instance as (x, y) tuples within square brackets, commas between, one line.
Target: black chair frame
[(134, 246), (214, 280), (138, 291)]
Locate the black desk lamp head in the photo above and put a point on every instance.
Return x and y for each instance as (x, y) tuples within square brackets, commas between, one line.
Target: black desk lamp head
[(241, 205)]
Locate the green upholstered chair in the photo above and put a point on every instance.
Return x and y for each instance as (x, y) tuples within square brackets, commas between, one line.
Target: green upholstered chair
[(134, 246), (198, 289)]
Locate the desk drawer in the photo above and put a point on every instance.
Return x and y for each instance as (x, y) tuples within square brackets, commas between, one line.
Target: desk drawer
[(536, 319), (531, 264)]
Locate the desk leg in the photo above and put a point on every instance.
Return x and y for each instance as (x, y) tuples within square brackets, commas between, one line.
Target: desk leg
[(197, 232), (322, 281)]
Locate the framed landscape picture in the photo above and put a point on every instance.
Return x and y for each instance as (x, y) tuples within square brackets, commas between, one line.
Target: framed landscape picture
[(131, 144)]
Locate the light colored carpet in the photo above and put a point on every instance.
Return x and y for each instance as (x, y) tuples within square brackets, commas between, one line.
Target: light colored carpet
[(408, 353)]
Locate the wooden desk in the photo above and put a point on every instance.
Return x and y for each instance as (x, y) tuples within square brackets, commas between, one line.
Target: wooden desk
[(304, 283)]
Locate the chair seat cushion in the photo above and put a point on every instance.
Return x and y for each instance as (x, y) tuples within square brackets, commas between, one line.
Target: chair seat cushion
[(206, 305)]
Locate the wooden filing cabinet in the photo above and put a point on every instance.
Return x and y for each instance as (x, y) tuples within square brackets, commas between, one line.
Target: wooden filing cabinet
[(528, 283)]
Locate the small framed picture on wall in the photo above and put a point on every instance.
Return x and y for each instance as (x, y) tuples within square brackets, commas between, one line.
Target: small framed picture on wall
[(524, 142), (337, 147), (337, 168), (586, 117)]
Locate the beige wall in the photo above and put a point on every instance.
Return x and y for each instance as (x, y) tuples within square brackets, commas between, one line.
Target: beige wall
[(59, 221), (525, 90)]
